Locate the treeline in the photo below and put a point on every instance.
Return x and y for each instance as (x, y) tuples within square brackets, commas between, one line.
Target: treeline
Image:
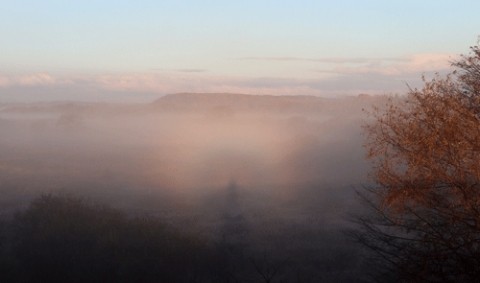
[(70, 239)]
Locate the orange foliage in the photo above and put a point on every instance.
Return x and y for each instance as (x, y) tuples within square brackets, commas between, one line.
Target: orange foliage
[(426, 147)]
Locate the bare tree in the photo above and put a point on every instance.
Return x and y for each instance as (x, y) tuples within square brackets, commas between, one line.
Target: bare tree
[(268, 268), (425, 148)]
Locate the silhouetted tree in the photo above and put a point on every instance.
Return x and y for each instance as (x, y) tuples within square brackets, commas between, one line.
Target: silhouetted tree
[(426, 154)]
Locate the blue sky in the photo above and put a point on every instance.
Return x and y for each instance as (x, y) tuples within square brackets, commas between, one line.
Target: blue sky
[(325, 48)]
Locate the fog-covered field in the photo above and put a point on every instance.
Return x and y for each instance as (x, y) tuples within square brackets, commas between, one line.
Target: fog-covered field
[(272, 178)]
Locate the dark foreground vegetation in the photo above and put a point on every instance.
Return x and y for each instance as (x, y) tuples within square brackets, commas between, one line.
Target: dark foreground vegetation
[(69, 239), (66, 239)]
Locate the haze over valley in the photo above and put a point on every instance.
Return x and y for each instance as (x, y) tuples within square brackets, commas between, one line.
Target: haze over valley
[(236, 141), (288, 166)]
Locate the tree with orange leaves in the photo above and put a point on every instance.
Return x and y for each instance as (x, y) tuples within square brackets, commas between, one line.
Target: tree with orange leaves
[(425, 148)]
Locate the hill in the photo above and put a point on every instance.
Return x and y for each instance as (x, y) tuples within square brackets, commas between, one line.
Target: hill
[(229, 102)]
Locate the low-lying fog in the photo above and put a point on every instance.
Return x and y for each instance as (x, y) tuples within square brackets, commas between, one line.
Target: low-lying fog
[(286, 166)]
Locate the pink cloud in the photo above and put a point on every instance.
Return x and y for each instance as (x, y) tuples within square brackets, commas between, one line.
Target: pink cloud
[(345, 77), (416, 63), (430, 62), (4, 81), (35, 79)]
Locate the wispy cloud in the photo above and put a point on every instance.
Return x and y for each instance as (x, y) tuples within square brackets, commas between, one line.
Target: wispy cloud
[(191, 70), (364, 75), (376, 65), (331, 60), (181, 70), (35, 79), (103, 86)]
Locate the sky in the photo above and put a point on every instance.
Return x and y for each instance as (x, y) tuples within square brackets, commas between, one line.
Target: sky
[(101, 50)]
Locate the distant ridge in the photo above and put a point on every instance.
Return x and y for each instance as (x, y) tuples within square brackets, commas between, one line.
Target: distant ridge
[(238, 102), (212, 103)]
